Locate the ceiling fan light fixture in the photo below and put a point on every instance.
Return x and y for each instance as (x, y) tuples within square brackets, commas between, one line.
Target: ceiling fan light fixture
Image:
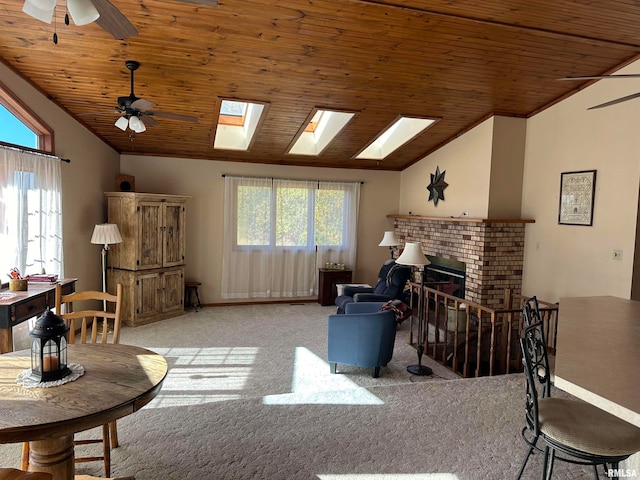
[(42, 4), (35, 9), (142, 128), (122, 123), (82, 11), (136, 124)]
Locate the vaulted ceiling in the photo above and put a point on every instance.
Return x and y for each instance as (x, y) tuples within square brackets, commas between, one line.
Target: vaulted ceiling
[(459, 61)]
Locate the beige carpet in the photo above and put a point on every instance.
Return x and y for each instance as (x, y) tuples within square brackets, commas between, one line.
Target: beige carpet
[(249, 396)]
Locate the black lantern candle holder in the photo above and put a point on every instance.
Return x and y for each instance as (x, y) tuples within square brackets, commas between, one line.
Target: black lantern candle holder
[(49, 348)]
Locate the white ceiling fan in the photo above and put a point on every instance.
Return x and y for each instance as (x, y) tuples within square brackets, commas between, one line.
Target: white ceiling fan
[(605, 77), (84, 12)]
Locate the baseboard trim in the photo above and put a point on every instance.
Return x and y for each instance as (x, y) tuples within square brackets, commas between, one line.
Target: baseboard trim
[(254, 302)]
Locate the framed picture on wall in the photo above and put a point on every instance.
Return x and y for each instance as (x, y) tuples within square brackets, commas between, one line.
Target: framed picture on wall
[(577, 191)]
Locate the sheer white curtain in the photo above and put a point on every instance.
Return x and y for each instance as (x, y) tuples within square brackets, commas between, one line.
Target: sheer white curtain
[(272, 230), (345, 208), (30, 213)]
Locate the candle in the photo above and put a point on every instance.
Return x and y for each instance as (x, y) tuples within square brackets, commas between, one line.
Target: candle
[(50, 363)]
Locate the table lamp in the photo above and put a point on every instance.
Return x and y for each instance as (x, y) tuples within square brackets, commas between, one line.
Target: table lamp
[(105, 234), (390, 240), (412, 255)]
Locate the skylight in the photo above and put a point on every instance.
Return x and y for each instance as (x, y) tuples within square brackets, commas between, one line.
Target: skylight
[(319, 131), (237, 124), (400, 132)]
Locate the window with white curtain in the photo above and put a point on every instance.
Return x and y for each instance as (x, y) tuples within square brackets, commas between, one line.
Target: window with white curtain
[(30, 212), (278, 232)]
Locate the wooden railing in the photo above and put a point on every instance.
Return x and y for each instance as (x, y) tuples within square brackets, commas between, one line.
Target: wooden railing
[(471, 339)]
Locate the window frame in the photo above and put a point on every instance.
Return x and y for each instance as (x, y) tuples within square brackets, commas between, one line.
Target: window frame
[(22, 112)]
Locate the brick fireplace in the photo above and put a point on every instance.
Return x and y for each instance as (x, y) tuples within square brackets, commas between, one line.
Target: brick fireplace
[(493, 250)]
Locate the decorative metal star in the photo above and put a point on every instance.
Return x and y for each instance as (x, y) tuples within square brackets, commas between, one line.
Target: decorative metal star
[(437, 186)]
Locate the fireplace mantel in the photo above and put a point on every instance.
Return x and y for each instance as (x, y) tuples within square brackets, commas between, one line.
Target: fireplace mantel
[(462, 219)]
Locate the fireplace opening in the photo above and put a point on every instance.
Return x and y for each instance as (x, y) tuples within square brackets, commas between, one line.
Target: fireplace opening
[(446, 270)]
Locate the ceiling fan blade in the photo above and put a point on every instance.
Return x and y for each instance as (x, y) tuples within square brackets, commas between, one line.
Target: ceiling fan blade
[(212, 3), (174, 116), (603, 77), (113, 21), (616, 101), (148, 120), (142, 105), (101, 112)]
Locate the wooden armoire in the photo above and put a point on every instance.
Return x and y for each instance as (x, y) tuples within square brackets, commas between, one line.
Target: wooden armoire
[(150, 261)]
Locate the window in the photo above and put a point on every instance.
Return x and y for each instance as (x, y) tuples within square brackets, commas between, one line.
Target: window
[(30, 192), (280, 231), (304, 216), (14, 131), (20, 126), (30, 212)]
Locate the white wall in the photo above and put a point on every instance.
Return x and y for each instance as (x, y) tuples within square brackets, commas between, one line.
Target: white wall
[(91, 172), (467, 162), (563, 260), (202, 180)]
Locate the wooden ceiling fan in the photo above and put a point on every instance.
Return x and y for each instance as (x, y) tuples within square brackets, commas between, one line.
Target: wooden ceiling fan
[(605, 77), (103, 12)]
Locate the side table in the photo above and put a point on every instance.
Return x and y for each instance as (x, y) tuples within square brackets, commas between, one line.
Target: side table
[(327, 280)]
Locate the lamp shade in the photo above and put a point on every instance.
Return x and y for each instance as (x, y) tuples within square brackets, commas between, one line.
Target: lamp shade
[(82, 11), (412, 255), (389, 239), (106, 234)]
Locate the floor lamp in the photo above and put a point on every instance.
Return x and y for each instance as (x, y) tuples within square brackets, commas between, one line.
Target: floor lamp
[(412, 255), (390, 240), (105, 234)]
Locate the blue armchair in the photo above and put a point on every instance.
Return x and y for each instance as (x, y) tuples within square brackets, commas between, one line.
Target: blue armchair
[(392, 279), (364, 337)]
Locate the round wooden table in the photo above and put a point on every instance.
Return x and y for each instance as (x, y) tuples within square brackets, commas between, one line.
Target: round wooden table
[(118, 380)]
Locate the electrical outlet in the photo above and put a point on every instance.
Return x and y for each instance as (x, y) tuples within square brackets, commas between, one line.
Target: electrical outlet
[(617, 254)]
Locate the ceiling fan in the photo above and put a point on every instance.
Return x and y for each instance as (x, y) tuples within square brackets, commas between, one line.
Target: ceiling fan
[(84, 12), (603, 77), (135, 111)]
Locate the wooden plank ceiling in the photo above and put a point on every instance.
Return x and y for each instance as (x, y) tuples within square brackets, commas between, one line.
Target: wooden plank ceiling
[(459, 61)]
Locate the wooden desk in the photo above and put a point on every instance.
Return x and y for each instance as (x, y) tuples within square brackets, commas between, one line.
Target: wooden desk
[(18, 307), (598, 353), (118, 380)]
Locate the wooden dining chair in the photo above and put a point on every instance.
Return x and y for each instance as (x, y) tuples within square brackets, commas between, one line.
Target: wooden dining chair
[(98, 322), (15, 474)]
